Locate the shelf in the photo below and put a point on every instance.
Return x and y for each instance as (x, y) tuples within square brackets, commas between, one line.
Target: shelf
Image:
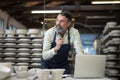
[(109, 41)]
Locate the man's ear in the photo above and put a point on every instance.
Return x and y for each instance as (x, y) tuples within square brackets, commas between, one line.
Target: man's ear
[(69, 24)]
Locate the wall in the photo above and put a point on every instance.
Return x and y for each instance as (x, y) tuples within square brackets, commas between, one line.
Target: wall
[(10, 21)]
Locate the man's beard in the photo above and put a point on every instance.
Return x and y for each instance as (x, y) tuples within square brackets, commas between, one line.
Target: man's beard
[(59, 29)]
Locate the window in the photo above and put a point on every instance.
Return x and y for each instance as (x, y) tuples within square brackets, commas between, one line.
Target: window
[(11, 27), (1, 24), (87, 41)]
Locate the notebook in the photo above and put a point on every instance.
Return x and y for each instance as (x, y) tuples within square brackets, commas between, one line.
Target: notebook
[(89, 66)]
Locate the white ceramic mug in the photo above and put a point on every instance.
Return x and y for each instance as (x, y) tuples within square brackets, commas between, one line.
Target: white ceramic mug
[(57, 74), (43, 74), (21, 68), (21, 74)]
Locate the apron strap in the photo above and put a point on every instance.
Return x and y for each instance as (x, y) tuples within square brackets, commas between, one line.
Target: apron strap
[(54, 37), (68, 35)]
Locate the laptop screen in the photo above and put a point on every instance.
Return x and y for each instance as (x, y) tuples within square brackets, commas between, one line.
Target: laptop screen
[(89, 66)]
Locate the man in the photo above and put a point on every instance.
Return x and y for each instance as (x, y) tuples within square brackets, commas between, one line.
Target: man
[(58, 41)]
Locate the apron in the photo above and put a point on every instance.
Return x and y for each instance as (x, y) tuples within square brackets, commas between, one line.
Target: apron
[(59, 60)]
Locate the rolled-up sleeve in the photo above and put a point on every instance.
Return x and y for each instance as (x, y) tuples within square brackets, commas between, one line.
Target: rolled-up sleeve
[(47, 52), (77, 43)]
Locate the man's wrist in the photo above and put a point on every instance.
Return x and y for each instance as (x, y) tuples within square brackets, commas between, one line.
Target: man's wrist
[(56, 49)]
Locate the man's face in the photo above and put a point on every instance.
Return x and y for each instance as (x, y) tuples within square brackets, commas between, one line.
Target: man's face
[(62, 22)]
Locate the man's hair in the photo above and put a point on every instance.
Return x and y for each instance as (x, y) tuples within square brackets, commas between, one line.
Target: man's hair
[(67, 15)]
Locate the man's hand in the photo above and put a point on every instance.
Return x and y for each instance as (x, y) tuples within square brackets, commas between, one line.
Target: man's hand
[(59, 42)]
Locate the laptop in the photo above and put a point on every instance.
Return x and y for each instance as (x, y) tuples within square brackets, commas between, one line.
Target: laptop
[(89, 66)]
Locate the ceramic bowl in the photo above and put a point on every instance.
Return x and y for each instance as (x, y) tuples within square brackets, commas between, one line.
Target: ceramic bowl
[(9, 44), (10, 39), (37, 40), (24, 40), (9, 53), (37, 44), (37, 54), (33, 31), (113, 71), (116, 39), (10, 58), (113, 48), (111, 23), (115, 32), (23, 44), (23, 54), (21, 35), (22, 64), (10, 49), (35, 64), (111, 56), (36, 50), (7, 64), (4, 72), (21, 74), (21, 31), (111, 63), (23, 59), (9, 32), (24, 49)]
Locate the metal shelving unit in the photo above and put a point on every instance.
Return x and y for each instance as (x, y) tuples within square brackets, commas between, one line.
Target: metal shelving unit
[(111, 49)]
